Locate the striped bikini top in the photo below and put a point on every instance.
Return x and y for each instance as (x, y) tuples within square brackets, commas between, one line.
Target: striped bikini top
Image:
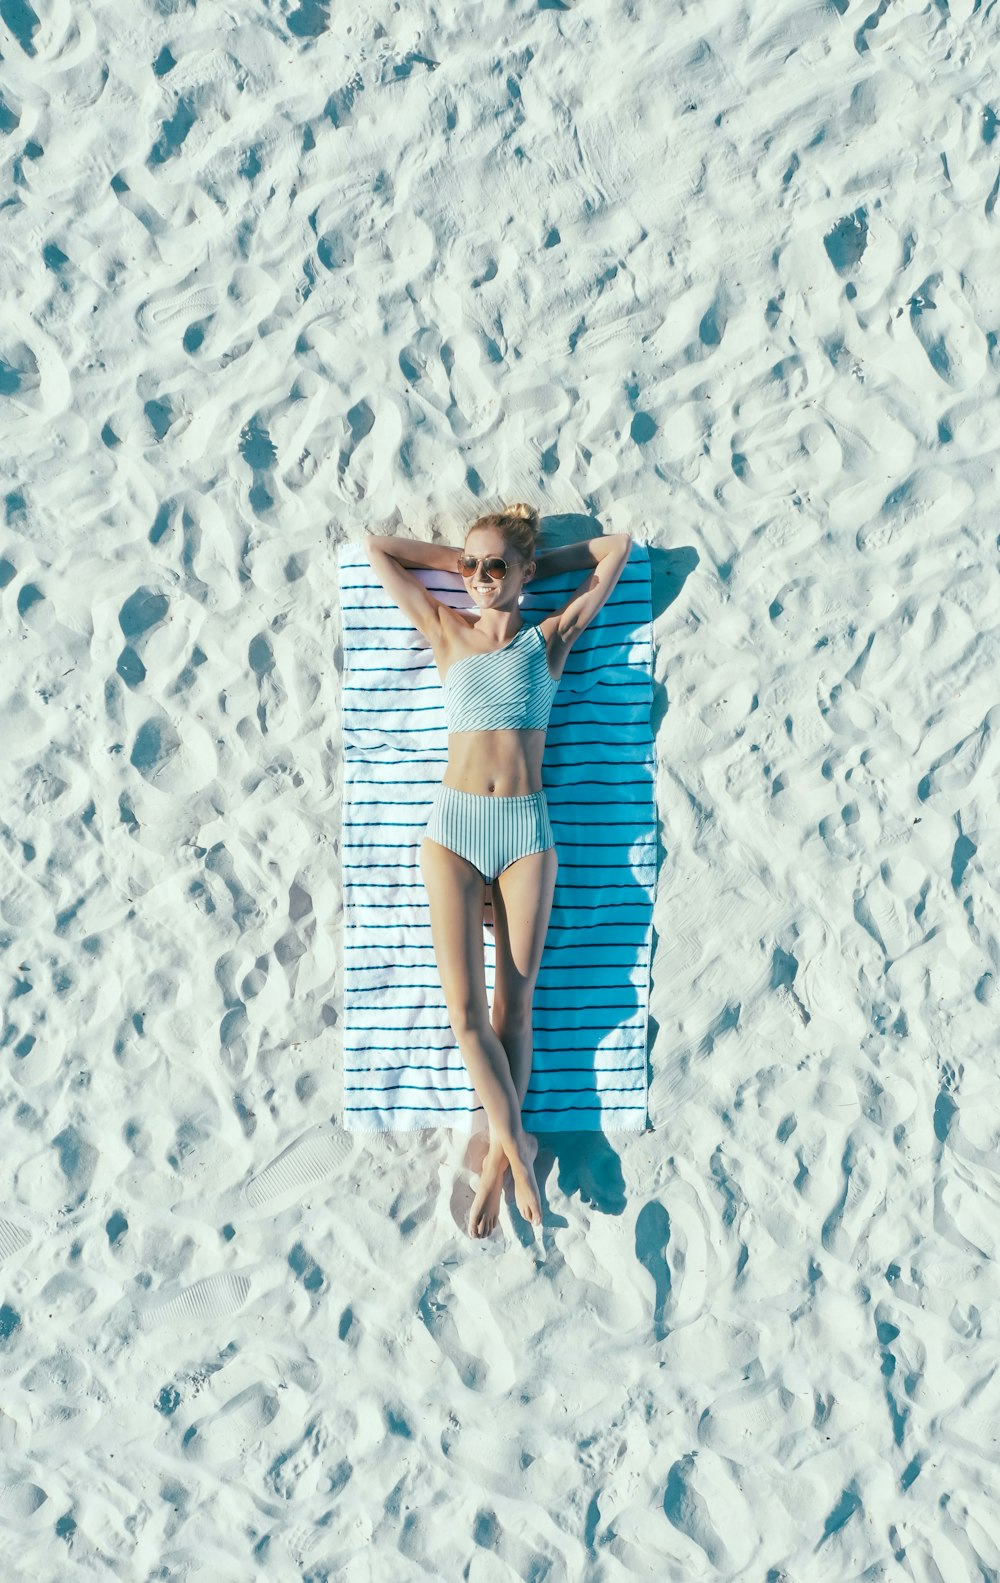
[(508, 689)]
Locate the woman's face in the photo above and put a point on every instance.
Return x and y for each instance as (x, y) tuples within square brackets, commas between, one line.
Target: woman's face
[(496, 591)]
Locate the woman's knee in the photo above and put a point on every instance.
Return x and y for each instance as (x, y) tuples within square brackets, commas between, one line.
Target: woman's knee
[(512, 1010), (468, 1008)]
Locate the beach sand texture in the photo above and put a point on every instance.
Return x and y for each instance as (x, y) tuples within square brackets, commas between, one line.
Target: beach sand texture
[(720, 276)]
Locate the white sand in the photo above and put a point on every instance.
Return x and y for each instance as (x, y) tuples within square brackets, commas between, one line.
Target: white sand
[(274, 277)]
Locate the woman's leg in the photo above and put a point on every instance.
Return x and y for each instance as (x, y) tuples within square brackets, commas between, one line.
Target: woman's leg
[(522, 906), (455, 893)]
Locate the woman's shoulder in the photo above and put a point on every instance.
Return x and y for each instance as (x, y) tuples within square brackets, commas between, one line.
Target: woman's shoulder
[(455, 625), (549, 628)]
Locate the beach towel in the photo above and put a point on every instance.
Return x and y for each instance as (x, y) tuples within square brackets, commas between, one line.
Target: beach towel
[(402, 1066)]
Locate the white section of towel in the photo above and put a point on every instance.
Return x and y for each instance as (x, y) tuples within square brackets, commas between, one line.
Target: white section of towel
[(402, 1066)]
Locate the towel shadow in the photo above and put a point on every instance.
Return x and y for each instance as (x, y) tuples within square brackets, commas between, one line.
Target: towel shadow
[(669, 570), (590, 1166), (567, 527)]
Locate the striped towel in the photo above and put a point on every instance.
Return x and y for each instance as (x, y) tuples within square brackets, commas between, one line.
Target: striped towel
[(402, 1066)]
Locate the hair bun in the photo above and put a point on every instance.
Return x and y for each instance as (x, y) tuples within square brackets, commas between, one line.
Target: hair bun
[(525, 512)]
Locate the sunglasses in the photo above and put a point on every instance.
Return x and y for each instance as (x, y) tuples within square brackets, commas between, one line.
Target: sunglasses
[(493, 565)]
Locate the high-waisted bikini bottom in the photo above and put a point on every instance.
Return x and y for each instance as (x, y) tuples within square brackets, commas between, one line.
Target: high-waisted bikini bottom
[(491, 832)]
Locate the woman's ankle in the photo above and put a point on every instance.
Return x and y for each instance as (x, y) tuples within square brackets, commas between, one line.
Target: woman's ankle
[(523, 1153), (512, 1143)]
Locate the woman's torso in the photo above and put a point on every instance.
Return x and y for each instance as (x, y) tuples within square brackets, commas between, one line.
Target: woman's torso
[(502, 763)]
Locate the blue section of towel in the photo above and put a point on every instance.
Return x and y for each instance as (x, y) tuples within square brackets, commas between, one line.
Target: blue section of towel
[(402, 1066)]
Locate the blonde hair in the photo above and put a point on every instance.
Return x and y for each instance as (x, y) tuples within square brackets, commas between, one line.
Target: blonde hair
[(519, 525)]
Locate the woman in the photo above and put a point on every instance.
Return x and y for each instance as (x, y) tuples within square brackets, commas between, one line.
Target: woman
[(489, 821)]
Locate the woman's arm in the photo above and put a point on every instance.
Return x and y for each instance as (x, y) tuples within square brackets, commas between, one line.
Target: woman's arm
[(612, 553), (416, 552), (578, 557), (391, 558)]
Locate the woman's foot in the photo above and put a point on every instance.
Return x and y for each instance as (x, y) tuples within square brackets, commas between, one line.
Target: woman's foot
[(525, 1186), (486, 1205)]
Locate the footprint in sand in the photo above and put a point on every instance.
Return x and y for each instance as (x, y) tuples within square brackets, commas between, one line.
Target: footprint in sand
[(475, 405), (180, 762), (944, 322), (12, 1239), (34, 375), (204, 1564), (517, 1547), (652, 1236), (292, 946), (69, 1412), (680, 954), (925, 507), (271, 695), (691, 1263), (213, 1297), (886, 920), (19, 1500), (225, 1439), (165, 308), (60, 1372), (865, 1173), (316, 1155), (956, 769), (370, 449), (213, 314), (464, 1326), (703, 1502), (745, 1424), (421, 364), (303, 1543), (304, 1470), (773, 461), (143, 611), (493, 1462), (974, 1423)]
